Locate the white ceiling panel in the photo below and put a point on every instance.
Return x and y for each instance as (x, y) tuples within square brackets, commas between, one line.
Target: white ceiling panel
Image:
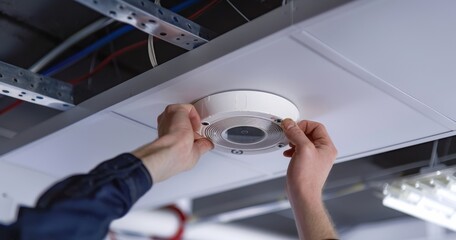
[(81, 146), (353, 110), (410, 44)]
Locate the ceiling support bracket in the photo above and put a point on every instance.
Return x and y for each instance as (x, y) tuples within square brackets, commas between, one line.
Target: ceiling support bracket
[(153, 20), (24, 85)]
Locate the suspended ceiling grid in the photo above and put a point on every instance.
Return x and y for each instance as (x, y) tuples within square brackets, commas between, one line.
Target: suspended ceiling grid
[(366, 108)]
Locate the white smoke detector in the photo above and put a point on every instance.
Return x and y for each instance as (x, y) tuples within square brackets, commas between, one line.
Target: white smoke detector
[(245, 122)]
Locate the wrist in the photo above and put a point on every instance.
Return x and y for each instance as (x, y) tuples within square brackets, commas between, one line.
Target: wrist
[(154, 157), (304, 193)]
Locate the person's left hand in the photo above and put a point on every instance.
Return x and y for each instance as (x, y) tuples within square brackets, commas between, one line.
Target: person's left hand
[(178, 147)]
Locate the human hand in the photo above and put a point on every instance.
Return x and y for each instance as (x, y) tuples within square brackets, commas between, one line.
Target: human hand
[(312, 155), (178, 146)]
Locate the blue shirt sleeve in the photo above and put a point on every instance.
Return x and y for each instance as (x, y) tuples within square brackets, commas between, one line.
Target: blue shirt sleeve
[(83, 206)]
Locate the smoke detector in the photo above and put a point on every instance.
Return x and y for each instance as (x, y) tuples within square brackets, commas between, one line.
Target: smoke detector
[(245, 122)]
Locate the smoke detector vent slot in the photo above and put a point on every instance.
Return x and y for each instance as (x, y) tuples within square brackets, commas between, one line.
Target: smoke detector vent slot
[(245, 122)]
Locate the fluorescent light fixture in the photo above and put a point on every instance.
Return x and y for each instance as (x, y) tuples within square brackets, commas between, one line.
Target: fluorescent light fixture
[(431, 197)]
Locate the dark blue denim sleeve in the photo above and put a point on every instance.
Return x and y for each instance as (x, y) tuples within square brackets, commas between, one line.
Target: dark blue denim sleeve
[(83, 206)]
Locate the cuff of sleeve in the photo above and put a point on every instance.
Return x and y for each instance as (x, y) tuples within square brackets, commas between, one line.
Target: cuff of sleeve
[(128, 168), (139, 180)]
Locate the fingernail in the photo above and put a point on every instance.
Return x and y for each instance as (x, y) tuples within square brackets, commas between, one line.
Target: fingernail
[(288, 123)]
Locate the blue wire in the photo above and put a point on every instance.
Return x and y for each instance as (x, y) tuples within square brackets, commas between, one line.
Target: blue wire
[(86, 51), (184, 5), (103, 41)]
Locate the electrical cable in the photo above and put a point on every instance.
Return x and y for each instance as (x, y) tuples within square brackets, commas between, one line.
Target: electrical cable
[(182, 217), (182, 220), (150, 46), (69, 42), (88, 50), (184, 5), (54, 53), (103, 41), (106, 61), (200, 12), (10, 107), (98, 44), (151, 50), (238, 11)]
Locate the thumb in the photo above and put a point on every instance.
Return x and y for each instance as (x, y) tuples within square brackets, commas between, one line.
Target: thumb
[(202, 146), (294, 134)]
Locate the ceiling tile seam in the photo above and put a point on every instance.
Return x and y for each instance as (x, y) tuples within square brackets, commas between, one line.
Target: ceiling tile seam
[(396, 146), (311, 42), (130, 120)]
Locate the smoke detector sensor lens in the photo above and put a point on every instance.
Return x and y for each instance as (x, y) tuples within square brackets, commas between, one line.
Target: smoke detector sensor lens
[(245, 122), (244, 135)]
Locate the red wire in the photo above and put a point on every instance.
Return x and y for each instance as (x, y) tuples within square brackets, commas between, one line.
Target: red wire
[(204, 9), (107, 60), (180, 231), (10, 107)]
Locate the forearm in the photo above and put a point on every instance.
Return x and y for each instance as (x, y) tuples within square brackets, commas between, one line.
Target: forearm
[(83, 206), (312, 219)]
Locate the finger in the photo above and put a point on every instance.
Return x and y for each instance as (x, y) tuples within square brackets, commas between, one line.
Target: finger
[(289, 152), (178, 116), (294, 134), (316, 132), (201, 146), (194, 118)]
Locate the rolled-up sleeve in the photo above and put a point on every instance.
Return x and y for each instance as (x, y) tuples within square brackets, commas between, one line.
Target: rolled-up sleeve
[(83, 206)]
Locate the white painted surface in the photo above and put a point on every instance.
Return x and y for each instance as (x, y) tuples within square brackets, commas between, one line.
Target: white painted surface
[(410, 44)]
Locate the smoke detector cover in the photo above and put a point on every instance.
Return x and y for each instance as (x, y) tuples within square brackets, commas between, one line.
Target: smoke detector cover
[(245, 122)]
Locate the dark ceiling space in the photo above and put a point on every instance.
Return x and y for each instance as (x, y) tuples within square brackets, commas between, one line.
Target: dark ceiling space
[(30, 29)]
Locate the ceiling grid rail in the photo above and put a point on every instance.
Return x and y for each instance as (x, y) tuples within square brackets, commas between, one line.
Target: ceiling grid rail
[(154, 20), (27, 86)]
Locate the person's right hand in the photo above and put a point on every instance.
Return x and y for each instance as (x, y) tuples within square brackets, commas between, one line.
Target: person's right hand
[(312, 156)]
